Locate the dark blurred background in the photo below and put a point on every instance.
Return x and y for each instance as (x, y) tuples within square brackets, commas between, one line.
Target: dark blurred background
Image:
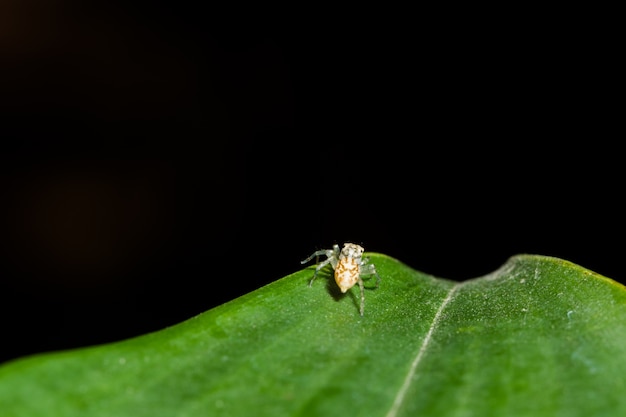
[(158, 160)]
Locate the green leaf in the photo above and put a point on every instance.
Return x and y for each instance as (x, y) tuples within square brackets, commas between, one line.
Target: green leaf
[(539, 337)]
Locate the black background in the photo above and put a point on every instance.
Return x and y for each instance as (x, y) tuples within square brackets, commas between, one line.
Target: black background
[(158, 160)]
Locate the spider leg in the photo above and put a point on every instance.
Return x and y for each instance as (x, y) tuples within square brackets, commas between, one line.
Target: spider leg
[(332, 256), (362, 306), (317, 254), (318, 267), (370, 269)]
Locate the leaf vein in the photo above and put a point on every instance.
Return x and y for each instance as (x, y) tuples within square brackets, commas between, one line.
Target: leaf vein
[(397, 403)]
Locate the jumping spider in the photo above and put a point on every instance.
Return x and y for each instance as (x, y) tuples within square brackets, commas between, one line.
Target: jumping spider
[(349, 266)]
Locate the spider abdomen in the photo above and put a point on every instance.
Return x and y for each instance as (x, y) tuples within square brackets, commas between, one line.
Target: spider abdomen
[(347, 273)]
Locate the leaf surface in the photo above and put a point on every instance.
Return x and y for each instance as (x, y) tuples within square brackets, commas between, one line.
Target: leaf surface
[(538, 337)]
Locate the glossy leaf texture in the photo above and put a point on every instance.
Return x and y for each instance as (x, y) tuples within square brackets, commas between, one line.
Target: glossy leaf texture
[(538, 337)]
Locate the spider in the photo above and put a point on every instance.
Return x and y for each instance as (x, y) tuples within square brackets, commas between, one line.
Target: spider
[(349, 266)]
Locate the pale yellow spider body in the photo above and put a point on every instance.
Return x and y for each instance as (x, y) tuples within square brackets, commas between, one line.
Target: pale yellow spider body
[(349, 266), (347, 273)]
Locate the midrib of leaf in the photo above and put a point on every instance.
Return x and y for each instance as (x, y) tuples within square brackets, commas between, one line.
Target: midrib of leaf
[(410, 376)]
